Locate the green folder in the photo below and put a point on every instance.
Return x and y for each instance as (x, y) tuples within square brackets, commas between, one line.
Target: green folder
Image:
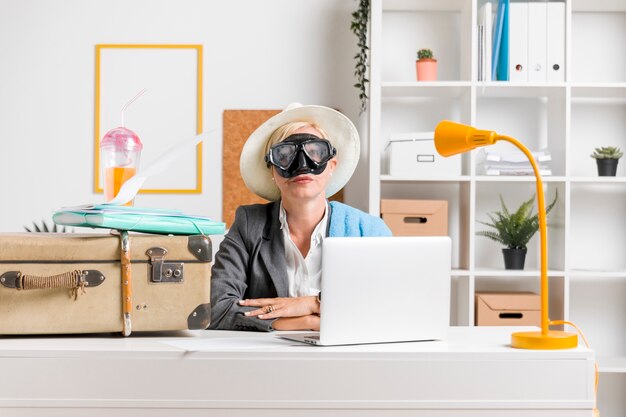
[(137, 219)]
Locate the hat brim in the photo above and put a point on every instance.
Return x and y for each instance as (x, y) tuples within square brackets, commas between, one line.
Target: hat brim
[(341, 133)]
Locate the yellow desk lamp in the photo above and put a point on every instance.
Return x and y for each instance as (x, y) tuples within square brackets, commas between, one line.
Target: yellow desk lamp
[(453, 138)]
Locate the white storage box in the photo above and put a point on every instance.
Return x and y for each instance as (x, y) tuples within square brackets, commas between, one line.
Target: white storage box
[(414, 155)]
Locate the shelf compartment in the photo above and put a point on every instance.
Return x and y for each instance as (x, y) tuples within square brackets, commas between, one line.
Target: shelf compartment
[(600, 312), (595, 123), (596, 240), (515, 283), (421, 114), (601, 29), (537, 120), (457, 195), (488, 254), (408, 26)]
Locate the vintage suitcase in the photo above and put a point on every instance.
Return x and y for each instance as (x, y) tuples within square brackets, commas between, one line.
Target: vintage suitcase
[(91, 283)]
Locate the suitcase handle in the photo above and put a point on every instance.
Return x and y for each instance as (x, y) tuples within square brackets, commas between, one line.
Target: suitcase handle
[(74, 280)]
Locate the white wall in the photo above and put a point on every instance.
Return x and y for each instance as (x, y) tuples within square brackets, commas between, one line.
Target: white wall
[(257, 55)]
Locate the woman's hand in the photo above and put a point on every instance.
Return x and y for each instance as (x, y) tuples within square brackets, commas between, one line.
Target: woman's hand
[(272, 308), (311, 322)]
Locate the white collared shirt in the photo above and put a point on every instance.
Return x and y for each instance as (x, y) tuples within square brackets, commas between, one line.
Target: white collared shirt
[(304, 273)]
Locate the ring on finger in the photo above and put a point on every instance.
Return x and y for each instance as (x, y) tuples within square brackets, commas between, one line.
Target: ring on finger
[(270, 308)]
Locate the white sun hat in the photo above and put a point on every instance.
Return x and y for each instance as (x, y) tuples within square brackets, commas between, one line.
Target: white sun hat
[(341, 133)]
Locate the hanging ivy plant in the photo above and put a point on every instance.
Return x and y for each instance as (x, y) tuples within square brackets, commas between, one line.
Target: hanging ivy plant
[(358, 26)]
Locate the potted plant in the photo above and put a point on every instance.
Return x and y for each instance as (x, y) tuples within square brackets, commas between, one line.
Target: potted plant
[(426, 65), (514, 230), (607, 158)]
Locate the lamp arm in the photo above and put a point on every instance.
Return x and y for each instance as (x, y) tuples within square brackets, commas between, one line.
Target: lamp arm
[(543, 232)]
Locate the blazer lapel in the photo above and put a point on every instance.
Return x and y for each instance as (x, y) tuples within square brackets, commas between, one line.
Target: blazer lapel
[(273, 251)]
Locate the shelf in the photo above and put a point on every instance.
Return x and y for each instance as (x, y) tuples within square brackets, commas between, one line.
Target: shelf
[(489, 272), (582, 274), (615, 364), (598, 180), (570, 118), (425, 5), (598, 6), (499, 89), (389, 178), (583, 92), (434, 89), (517, 178)]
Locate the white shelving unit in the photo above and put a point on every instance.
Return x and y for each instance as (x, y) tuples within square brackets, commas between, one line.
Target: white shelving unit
[(587, 236)]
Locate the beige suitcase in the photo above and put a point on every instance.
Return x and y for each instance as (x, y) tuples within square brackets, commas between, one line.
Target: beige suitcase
[(53, 283)]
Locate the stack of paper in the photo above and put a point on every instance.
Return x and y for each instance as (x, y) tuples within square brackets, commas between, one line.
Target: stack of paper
[(147, 220), (515, 163)]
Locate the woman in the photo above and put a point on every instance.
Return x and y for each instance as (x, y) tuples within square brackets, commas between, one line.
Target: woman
[(267, 272)]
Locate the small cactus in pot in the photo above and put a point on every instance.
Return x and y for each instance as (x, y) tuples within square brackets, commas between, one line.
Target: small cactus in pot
[(426, 65), (607, 158)]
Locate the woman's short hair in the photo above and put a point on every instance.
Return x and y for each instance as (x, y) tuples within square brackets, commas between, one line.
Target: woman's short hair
[(286, 130)]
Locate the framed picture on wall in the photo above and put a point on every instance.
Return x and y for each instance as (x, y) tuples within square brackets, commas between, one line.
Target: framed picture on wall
[(169, 112)]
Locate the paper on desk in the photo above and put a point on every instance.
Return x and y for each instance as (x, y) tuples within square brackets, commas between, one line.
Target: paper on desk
[(131, 187), (202, 344)]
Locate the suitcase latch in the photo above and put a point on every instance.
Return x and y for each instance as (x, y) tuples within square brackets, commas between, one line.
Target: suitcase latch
[(160, 271)]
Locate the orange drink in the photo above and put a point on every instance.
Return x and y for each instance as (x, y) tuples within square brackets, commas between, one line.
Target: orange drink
[(114, 178)]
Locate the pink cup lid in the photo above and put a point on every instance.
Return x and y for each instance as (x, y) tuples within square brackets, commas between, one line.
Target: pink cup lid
[(121, 138)]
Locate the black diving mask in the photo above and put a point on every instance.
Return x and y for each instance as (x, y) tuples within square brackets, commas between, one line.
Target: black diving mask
[(301, 153)]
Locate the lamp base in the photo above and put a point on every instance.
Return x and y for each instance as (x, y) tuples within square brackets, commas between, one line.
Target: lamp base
[(555, 339)]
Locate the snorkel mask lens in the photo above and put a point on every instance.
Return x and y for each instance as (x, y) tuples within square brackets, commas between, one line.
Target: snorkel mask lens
[(299, 154)]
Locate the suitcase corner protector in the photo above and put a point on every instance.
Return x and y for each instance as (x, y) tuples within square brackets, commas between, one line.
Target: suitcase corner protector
[(200, 318)]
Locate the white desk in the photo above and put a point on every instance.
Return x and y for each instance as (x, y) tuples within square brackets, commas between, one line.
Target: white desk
[(474, 373)]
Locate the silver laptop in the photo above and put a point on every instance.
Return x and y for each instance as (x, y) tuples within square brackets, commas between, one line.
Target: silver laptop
[(382, 289)]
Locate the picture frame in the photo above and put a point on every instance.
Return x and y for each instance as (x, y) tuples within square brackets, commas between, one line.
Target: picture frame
[(170, 111)]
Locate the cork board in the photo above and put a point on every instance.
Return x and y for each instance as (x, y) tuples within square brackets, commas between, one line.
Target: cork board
[(238, 125)]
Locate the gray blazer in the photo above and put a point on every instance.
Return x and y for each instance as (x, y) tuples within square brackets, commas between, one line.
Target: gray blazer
[(251, 260), (250, 263)]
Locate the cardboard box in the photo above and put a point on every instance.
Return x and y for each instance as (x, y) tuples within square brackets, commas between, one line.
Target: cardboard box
[(415, 217), (508, 309), (414, 155)]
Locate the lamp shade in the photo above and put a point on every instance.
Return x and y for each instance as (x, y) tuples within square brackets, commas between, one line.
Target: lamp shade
[(452, 138)]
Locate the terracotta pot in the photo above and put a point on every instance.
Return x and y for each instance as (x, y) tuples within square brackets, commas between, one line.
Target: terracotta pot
[(426, 69)]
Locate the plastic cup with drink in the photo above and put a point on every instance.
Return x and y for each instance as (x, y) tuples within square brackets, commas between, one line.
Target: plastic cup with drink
[(120, 151)]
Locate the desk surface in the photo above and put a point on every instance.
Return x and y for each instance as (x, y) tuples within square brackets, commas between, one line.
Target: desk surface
[(474, 372)]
